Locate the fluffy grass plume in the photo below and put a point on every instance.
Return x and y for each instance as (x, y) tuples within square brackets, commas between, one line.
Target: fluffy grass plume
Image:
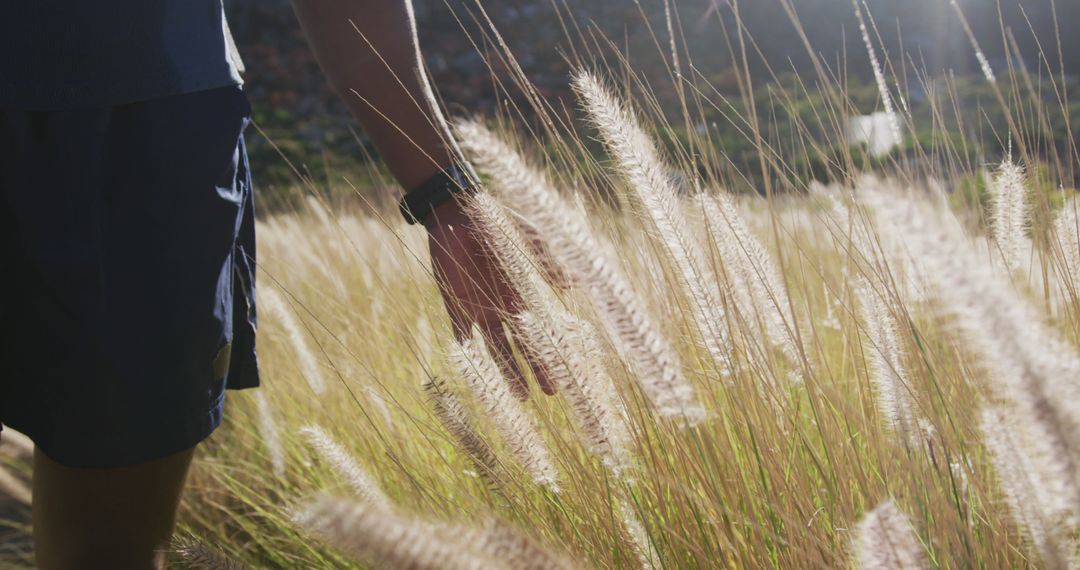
[(1067, 226), (1044, 517), (757, 281), (984, 63), (455, 419), (1010, 219), (270, 434), (517, 550), (198, 555), (271, 303), (650, 182), (392, 541), (345, 465), (561, 348), (886, 540), (509, 246), (474, 363), (888, 374), (639, 539), (879, 74), (573, 244)]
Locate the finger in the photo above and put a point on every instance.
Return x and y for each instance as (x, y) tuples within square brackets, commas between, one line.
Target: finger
[(503, 352), (543, 379), (540, 371), (553, 271)]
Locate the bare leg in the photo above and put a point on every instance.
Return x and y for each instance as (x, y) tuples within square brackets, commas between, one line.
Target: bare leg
[(118, 518)]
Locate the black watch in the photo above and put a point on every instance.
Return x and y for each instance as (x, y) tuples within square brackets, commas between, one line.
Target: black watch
[(419, 202)]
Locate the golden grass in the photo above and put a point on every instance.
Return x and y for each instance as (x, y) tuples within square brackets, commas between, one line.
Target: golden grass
[(777, 475), (782, 368)]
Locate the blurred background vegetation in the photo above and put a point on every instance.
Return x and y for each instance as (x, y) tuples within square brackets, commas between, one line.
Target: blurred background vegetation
[(932, 67)]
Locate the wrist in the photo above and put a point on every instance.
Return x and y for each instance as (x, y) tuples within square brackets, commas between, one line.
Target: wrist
[(449, 214), (446, 186)]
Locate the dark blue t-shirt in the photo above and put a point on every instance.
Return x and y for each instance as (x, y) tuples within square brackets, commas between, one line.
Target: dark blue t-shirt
[(64, 54)]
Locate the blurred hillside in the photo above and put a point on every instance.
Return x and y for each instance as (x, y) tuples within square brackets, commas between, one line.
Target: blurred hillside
[(295, 107)]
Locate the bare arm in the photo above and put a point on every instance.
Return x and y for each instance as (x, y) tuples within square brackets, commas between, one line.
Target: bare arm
[(375, 67)]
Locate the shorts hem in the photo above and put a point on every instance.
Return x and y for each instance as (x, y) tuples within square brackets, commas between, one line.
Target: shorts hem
[(130, 452)]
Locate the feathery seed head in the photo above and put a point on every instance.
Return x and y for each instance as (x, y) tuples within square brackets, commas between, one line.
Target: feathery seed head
[(273, 304), (509, 246), (268, 430), (561, 348), (455, 419), (501, 541), (654, 193), (387, 539), (198, 554), (344, 465), (759, 289), (472, 360), (1010, 198), (1067, 227), (889, 375), (879, 74), (885, 540), (591, 263)]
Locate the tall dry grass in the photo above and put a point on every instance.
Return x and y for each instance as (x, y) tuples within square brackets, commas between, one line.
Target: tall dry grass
[(814, 376), (940, 388)]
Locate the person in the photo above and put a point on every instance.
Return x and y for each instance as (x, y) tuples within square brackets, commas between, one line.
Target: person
[(127, 252)]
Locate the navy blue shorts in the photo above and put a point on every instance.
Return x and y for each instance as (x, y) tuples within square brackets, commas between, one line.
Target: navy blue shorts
[(127, 274)]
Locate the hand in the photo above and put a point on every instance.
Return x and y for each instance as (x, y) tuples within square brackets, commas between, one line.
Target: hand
[(476, 290)]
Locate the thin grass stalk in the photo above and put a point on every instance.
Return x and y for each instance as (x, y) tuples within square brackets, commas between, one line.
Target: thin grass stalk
[(379, 404)]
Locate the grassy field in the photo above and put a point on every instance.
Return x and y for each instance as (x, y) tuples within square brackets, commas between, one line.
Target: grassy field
[(878, 372), (875, 388)]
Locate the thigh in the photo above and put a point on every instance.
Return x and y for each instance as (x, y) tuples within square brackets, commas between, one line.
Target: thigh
[(106, 518)]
